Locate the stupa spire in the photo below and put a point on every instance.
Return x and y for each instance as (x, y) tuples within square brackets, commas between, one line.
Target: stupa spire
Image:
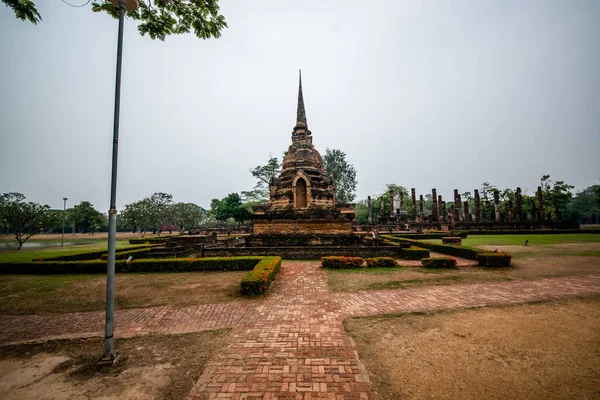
[(301, 113)]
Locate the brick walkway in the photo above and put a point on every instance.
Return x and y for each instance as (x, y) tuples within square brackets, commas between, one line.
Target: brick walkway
[(291, 343)]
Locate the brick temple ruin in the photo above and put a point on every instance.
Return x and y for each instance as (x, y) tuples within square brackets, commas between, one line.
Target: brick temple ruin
[(302, 198), (459, 215)]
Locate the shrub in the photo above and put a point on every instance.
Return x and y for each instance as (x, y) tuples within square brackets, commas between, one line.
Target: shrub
[(260, 278), (439, 262), (380, 262), (494, 260), (414, 253), (457, 251), (151, 240), (91, 255), (341, 262)]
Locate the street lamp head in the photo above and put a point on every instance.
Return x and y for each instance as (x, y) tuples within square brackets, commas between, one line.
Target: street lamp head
[(65, 199), (130, 5)]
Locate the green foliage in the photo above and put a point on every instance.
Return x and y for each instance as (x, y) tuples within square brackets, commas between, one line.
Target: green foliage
[(186, 215), (361, 211), (341, 262), (24, 10), (458, 251), (557, 196), (414, 253), (85, 218), (229, 207), (260, 278), (264, 174), (494, 260), (157, 19), (152, 240), (89, 255), (439, 262), (586, 205), (380, 262), (23, 219), (343, 174)]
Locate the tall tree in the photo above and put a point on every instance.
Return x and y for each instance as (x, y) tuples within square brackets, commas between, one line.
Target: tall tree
[(263, 174), (159, 209), (23, 219), (343, 174), (186, 215), (85, 218), (158, 18), (230, 207)]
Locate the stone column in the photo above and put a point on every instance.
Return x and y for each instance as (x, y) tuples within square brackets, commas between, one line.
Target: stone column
[(509, 210), (401, 199), (533, 210), (443, 210), (540, 197), (370, 206), (477, 207), (440, 212), (488, 211), (392, 208), (518, 205), (381, 206), (434, 208), (414, 204), (497, 205), (451, 215), (467, 217), (457, 214), (421, 208)]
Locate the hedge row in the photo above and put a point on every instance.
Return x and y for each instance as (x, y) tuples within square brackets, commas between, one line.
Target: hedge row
[(470, 253), (439, 262), (381, 262), (341, 262), (124, 255), (152, 240), (431, 235), (414, 253), (494, 260), (90, 255), (533, 232), (260, 278)]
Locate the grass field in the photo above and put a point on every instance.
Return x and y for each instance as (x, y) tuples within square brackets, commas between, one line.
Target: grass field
[(25, 255)]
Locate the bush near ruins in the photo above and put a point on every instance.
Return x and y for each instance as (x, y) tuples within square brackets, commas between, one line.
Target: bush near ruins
[(341, 262), (414, 253), (260, 278), (381, 262), (439, 262), (494, 260)]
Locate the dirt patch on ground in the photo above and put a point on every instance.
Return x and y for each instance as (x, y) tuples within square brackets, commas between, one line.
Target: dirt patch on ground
[(48, 294), (150, 367), (534, 351), (407, 276)]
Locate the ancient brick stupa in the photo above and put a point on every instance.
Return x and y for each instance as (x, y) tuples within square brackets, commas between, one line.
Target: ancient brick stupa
[(302, 198)]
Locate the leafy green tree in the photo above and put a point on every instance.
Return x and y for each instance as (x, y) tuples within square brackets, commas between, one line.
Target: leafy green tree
[(264, 174), (158, 18), (343, 174), (557, 196), (85, 218), (361, 211), (136, 216), (23, 219), (158, 206), (585, 205), (487, 191), (186, 215), (230, 207)]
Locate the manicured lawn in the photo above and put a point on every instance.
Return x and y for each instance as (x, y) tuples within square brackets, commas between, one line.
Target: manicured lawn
[(47, 294), (534, 240), (25, 255)]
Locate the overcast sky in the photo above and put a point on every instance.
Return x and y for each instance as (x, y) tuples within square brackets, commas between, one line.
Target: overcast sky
[(443, 94)]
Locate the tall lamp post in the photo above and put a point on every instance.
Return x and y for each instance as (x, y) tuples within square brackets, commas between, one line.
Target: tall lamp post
[(109, 353), (62, 241)]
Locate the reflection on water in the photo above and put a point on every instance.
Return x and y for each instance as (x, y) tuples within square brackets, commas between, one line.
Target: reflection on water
[(33, 245)]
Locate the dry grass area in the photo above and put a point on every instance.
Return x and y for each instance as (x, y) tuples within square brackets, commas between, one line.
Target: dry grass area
[(47, 294), (533, 351), (545, 262), (149, 367)]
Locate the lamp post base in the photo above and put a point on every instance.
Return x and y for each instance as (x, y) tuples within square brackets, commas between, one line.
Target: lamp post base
[(109, 360)]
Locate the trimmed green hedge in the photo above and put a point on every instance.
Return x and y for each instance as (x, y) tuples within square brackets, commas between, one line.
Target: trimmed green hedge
[(91, 255), (263, 269), (124, 255), (439, 262), (260, 278), (151, 240), (414, 253), (341, 262), (494, 260), (381, 262), (534, 232), (470, 253), (431, 235)]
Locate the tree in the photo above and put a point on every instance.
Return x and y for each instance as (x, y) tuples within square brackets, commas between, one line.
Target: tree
[(158, 18), (487, 191), (186, 215), (585, 205), (159, 210), (264, 173), (230, 207), (343, 174), (23, 219), (557, 196), (84, 217), (136, 216)]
